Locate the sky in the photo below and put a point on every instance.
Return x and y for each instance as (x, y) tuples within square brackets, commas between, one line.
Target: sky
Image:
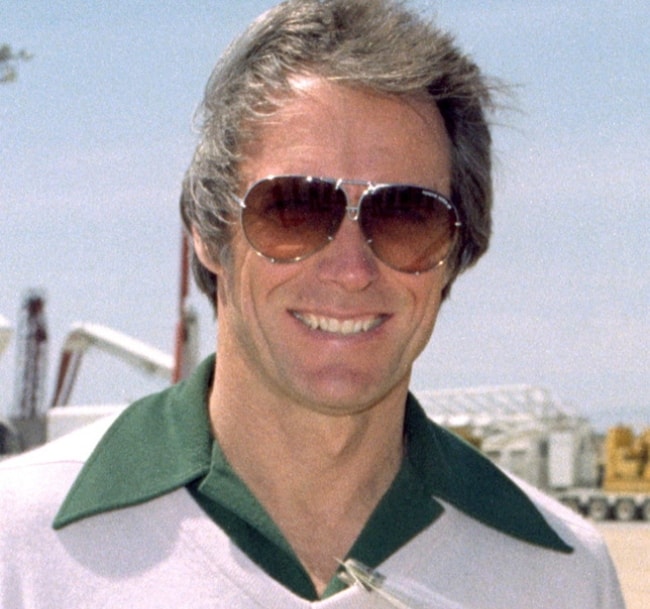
[(97, 131)]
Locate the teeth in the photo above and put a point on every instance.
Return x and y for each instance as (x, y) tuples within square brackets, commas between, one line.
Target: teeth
[(336, 326)]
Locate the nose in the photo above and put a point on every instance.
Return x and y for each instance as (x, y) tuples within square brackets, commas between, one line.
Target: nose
[(348, 260)]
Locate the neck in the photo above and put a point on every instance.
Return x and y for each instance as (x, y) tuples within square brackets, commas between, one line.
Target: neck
[(318, 476)]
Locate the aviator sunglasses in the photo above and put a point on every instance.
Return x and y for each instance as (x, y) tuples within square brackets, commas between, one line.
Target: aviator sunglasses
[(288, 218)]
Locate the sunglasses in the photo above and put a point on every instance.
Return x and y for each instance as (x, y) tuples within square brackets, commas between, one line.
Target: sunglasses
[(288, 218)]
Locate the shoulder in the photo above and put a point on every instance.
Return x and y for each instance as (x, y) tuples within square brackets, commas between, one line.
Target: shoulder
[(46, 473), (36, 482), (578, 532), (590, 560), (32, 487)]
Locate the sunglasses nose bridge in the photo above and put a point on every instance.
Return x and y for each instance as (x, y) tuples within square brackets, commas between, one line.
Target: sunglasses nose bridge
[(354, 211)]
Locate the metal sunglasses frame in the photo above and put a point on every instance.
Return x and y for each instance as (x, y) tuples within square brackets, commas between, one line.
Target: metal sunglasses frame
[(353, 212)]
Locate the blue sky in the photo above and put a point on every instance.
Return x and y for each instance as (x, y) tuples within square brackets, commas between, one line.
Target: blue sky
[(96, 133)]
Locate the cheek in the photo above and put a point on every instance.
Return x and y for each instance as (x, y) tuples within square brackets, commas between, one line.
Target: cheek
[(249, 283), (232, 274), (427, 299)]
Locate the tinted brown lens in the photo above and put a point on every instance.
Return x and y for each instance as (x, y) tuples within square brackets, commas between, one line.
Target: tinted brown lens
[(288, 218), (410, 229)]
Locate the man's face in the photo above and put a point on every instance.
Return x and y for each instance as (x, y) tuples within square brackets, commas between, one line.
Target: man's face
[(337, 332)]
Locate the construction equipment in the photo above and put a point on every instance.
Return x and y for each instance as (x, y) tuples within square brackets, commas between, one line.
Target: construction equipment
[(28, 409), (623, 492), (84, 336), (31, 421)]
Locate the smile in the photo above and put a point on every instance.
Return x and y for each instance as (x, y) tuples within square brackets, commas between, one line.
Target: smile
[(344, 327)]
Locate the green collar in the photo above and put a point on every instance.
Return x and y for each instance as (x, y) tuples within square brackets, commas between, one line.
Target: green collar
[(163, 442), (455, 472), (158, 444)]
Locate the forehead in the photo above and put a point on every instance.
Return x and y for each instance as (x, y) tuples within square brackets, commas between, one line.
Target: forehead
[(329, 129)]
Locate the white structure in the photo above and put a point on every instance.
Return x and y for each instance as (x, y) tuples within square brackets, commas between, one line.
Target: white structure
[(84, 336), (523, 429)]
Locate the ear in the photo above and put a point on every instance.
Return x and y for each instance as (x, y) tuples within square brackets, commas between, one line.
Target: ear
[(203, 253)]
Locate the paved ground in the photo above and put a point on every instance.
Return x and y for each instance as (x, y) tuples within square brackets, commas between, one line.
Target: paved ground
[(629, 545)]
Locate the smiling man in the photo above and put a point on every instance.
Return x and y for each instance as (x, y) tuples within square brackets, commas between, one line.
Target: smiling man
[(341, 183)]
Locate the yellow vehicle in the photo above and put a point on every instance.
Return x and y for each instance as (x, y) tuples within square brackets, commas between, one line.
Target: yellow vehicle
[(624, 489)]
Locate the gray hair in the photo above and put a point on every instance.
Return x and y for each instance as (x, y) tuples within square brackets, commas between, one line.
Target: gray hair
[(380, 45)]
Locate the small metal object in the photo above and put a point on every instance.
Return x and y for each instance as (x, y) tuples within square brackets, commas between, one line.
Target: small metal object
[(356, 573)]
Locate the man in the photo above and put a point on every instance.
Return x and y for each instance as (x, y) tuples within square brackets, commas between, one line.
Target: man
[(341, 183)]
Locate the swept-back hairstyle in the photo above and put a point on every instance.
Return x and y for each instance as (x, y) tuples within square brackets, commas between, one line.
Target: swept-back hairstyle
[(381, 45)]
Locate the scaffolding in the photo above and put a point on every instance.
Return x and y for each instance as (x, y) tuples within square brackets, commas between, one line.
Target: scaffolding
[(481, 407)]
